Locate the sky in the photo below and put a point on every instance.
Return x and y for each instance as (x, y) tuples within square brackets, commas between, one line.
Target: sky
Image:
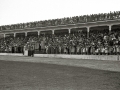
[(22, 11)]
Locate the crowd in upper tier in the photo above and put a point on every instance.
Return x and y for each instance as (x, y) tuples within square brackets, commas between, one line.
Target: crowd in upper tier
[(100, 42), (65, 21)]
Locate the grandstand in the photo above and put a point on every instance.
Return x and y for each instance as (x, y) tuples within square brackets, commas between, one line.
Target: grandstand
[(83, 42), (96, 34)]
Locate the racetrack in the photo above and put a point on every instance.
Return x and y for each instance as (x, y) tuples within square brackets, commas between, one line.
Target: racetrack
[(16, 75)]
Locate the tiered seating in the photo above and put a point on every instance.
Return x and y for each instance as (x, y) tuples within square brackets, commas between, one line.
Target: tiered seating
[(65, 21), (98, 43)]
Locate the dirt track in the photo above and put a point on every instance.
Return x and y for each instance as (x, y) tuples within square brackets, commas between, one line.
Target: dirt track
[(16, 75), (94, 64)]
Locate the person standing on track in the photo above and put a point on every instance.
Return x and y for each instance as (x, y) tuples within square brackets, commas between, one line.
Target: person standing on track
[(32, 50)]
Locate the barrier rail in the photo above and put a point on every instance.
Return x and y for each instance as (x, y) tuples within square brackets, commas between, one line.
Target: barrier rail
[(94, 57)]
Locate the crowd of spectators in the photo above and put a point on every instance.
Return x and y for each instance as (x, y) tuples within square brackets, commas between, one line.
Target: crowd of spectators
[(99, 43), (65, 21)]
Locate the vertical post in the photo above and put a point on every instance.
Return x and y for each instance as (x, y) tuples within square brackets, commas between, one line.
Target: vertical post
[(4, 36), (1, 28), (69, 31), (25, 34), (38, 34), (53, 33), (88, 30), (110, 26), (14, 35)]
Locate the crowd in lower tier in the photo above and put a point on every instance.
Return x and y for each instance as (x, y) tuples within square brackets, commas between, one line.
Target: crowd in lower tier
[(98, 43)]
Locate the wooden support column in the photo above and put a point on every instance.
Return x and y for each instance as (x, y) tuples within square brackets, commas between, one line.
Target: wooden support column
[(88, 30)]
